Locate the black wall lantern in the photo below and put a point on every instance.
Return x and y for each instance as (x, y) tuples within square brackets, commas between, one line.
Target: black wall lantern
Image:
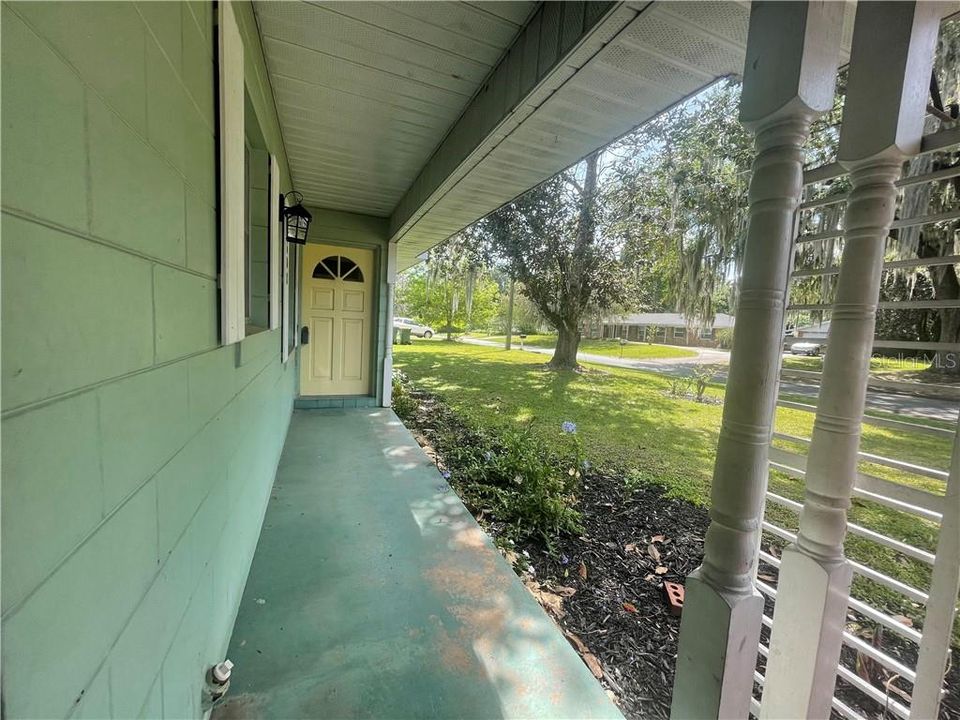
[(296, 219)]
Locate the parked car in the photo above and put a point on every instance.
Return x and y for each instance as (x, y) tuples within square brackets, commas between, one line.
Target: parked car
[(806, 348), (415, 328)]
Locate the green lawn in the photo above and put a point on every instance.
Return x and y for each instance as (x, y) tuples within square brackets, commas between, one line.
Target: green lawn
[(608, 348), (628, 422)]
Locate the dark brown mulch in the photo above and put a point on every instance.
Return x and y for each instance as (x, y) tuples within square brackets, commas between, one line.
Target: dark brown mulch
[(632, 541), (619, 611)]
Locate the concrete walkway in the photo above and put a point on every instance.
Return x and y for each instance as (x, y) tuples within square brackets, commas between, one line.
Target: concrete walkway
[(918, 407), (374, 594)]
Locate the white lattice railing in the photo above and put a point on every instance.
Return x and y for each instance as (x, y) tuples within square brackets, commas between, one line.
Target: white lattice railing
[(915, 487)]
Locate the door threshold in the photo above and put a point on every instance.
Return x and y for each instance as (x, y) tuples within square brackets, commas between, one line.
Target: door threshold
[(324, 402)]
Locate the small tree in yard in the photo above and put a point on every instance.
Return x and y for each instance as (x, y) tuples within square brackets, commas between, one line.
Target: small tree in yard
[(553, 241), (702, 376)]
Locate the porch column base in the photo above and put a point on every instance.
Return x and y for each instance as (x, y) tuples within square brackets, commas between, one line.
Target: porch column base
[(719, 635), (801, 668)]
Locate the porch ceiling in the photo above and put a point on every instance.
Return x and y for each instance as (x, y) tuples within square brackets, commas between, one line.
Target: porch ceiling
[(365, 91), (435, 114)]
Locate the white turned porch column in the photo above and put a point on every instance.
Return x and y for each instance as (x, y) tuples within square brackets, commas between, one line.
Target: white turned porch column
[(789, 77), (890, 66)]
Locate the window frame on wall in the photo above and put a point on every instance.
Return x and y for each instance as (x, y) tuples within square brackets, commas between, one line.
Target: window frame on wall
[(679, 333), (231, 140), (275, 281), (237, 123), (259, 216), (247, 239), (289, 309)]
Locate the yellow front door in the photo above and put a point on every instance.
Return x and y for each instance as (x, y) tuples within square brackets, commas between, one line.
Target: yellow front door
[(336, 310)]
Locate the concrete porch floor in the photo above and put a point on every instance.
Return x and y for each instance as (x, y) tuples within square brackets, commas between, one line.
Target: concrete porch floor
[(374, 594)]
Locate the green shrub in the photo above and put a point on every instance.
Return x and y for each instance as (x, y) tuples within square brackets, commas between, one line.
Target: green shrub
[(514, 477), (680, 386), (402, 402), (702, 376), (723, 337), (634, 480)]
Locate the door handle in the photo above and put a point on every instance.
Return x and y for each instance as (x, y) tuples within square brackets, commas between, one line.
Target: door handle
[(304, 335)]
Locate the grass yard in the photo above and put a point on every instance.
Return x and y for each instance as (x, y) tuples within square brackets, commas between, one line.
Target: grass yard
[(607, 348), (629, 424)]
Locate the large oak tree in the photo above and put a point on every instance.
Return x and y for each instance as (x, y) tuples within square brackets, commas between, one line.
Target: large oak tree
[(554, 242)]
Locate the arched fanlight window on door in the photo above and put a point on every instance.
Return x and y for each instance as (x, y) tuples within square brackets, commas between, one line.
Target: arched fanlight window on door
[(338, 267)]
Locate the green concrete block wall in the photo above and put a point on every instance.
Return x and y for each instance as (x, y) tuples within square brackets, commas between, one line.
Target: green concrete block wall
[(138, 455)]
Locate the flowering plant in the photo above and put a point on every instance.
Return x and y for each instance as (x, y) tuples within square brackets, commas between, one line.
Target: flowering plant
[(578, 463)]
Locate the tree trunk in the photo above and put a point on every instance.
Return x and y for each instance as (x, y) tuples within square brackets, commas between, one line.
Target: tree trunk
[(450, 320), (565, 354), (947, 287), (513, 291), (576, 294)]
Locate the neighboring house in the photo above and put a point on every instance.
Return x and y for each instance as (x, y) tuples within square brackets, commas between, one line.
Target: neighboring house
[(668, 328), (171, 493), (818, 331)]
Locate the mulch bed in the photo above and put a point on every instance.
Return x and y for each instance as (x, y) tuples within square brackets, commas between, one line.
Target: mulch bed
[(619, 610), (604, 588)]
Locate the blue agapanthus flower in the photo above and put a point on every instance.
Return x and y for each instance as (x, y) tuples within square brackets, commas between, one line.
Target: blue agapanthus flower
[(568, 427), (445, 474), (488, 455), (585, 465)]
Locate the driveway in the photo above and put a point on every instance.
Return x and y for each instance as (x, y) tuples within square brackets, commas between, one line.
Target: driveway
[(907, 405)]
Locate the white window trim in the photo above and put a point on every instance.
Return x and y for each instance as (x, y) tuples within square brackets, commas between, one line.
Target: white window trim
[(232, 215), (679, 333), (275, 279)]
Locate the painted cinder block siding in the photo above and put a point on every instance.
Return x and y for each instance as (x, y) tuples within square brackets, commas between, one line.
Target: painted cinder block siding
[(138, 455)]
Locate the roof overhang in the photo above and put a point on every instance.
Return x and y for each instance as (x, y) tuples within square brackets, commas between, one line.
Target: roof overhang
[(386, 108)]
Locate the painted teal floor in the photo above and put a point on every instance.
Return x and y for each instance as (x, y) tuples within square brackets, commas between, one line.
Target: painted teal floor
[(374, 594)]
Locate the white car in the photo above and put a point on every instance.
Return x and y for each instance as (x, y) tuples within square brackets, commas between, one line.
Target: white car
[(806, 348), (415, 328)]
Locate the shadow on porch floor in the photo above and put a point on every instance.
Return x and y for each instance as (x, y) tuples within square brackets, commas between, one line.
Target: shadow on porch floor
[(373, 593)]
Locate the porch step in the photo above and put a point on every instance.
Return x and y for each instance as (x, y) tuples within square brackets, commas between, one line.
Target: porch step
[(326, 402)]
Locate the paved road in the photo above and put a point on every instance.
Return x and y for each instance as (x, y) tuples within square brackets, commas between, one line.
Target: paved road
[(890, 402)]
